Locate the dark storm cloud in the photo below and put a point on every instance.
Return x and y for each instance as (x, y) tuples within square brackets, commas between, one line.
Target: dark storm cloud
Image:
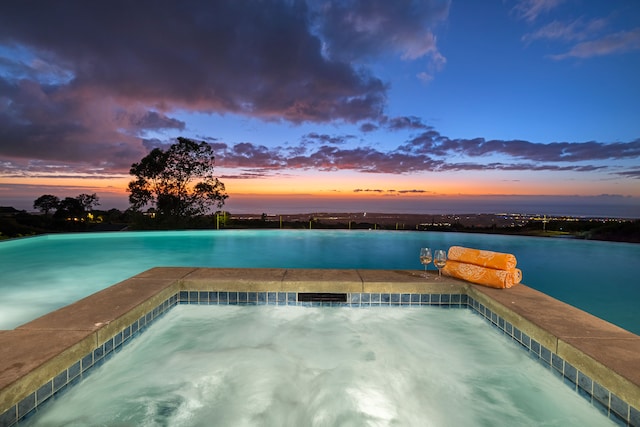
[(77, 73), (357, 28), (217, 56)]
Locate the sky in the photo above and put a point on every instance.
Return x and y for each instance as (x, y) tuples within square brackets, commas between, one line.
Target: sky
[(372, 105)]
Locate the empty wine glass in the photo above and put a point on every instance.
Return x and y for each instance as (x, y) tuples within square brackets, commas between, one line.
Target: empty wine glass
[(425, 259), (440, 260)]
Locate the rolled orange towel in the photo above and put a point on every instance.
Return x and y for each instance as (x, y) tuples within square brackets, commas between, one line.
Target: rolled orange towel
[(483, 275), (496, 260)]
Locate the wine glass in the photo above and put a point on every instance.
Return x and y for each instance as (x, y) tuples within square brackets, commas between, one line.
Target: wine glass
[(425, 259), (440, 260)]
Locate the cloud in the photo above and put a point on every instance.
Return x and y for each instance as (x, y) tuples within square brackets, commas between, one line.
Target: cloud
[(353, 29), (429, 151), (434, 143), (530, 10), (92, 90), (616, 43), (575, 30), (635, 173), (267, 61)]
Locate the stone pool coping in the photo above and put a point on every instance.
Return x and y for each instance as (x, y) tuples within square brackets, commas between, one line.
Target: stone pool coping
[(33, 355)]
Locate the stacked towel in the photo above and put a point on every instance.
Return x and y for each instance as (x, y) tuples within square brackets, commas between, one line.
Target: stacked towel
[(494, 269)]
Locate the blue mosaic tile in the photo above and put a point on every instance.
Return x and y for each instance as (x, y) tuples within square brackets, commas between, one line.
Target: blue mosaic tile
[(126, 333), (108, 346), (355, 298), (557, 362), (617, 419), (98, 354), (9, 417), (282, 298), (291, 298), (481, 308), (517, 334), (456, 298), (376, 299), (385, 299), (570, 372), (148, 318), (117, 339), (59, 380), (445, 298), (203, 297), (44, 392), (405, 299), (415, 298), (243, 298), (619, 406), (601, 394), (464, 299), (535, 347), (74, 370), (526, 341), (184, 296), (434, 298), (585, 383), (193, 297), (395, 298), (604, 410), (508, 328), (233, 297), (87, 361), (634, 416), (425, 298), (223, 297), (272, 297), (365, 298), (26, 405), (262, 297), (134, 327), (213, 297), (545, 354)]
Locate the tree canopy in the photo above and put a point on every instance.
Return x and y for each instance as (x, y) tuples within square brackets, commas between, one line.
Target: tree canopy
[(46, 203), (177, 182)]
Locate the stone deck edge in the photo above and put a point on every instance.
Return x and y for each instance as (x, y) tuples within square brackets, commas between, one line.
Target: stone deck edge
[(35, 354)]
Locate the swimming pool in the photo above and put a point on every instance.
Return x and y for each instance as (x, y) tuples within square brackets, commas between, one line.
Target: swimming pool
[(320, 366), (43, 273)]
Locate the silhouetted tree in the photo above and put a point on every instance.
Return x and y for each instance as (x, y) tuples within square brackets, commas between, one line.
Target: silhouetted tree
[(178, 182), (70, 207), (88, 201), (46, 203)]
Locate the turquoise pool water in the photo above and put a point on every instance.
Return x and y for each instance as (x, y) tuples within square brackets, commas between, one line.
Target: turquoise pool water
[(43, 273)]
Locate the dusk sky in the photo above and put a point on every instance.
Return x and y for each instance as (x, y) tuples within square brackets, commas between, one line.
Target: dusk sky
[(374, 105)]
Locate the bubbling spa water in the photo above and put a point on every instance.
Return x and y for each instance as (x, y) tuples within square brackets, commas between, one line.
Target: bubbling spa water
[(311, 366)]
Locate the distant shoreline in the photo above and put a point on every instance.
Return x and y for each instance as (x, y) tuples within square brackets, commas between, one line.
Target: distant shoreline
[(14, 223)]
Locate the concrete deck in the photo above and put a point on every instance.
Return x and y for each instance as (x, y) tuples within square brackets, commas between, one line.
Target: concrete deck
[(35, 352)]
